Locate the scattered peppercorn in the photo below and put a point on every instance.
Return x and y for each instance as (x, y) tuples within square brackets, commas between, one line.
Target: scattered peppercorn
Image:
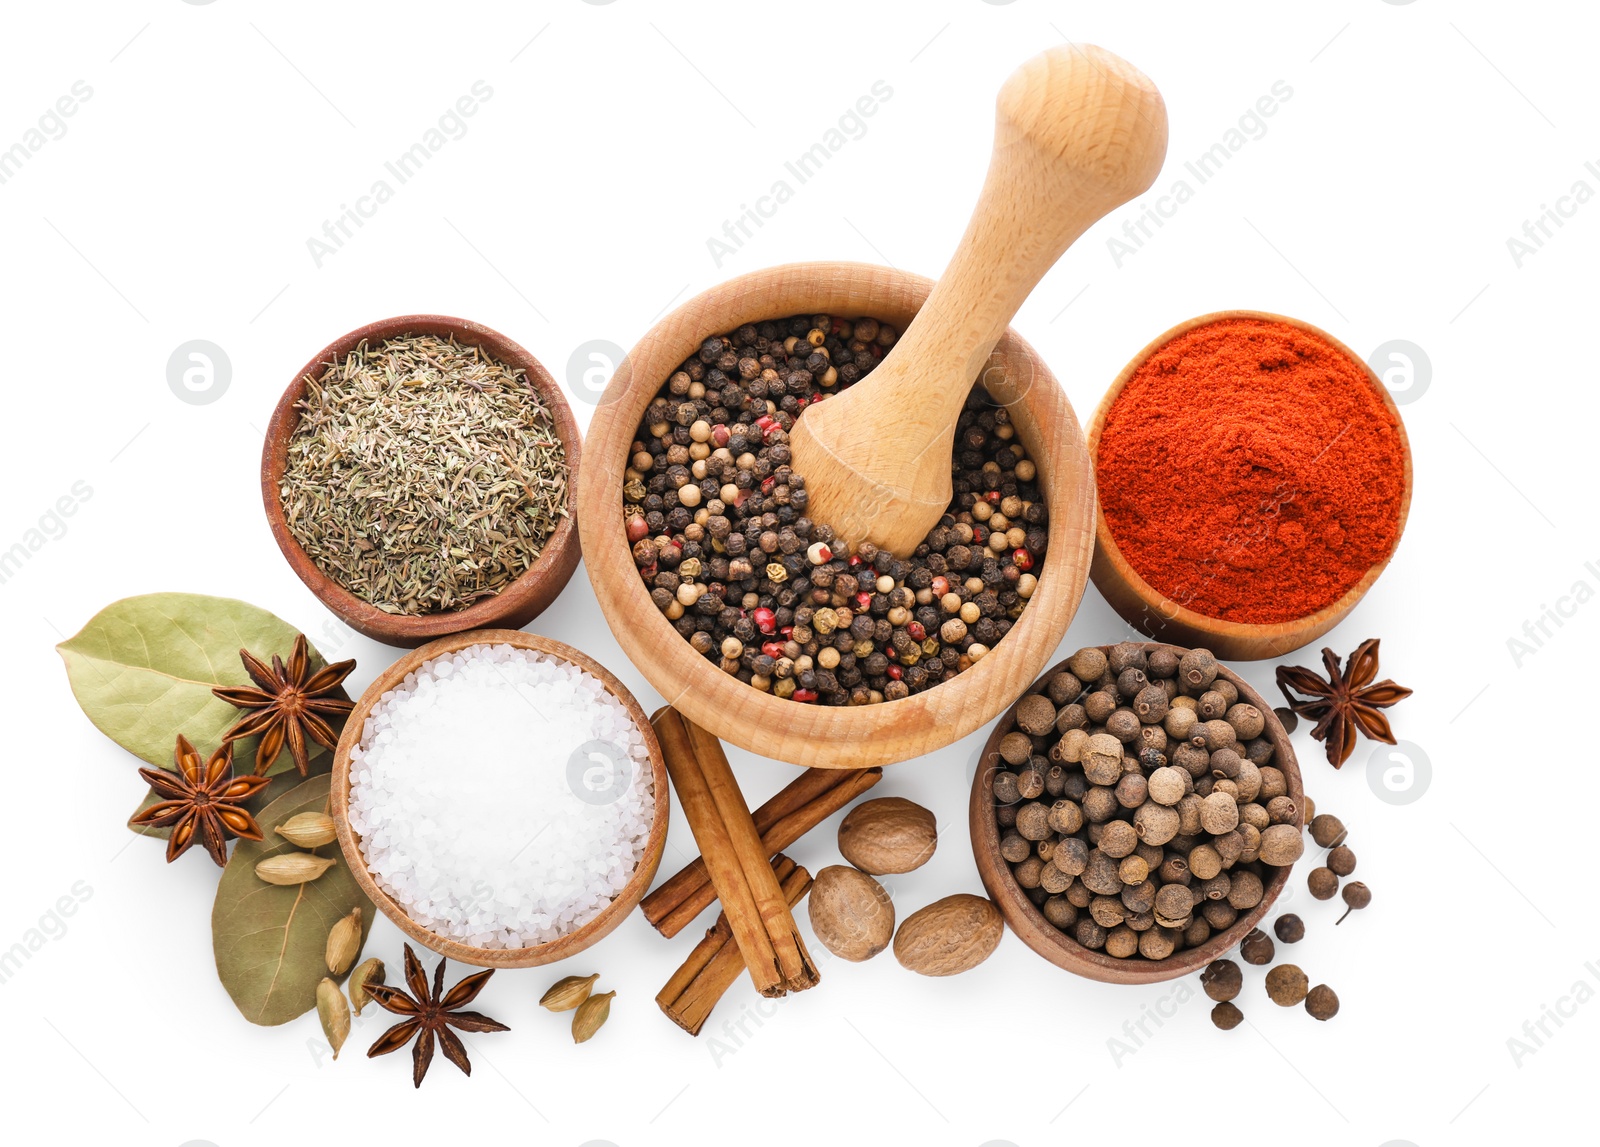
[(1227, 1015), (1322, 1003), (1323, 883), (1327, 830), (717, 520), (1342, 861), (1257, 948), (1222, 980), (1289, 928), (1286, 985), (1356, 895), (1286, 718)]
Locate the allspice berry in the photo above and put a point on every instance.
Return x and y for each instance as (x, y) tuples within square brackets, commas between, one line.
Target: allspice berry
[(1323, 883), (1327, 830), (1322, 1003), (1257, 948), (1289, 928), (1222, 980), (1219, 813), (1281, 844), (1286, 985), (1342, 861), (1227, 1016), (1035, 714), (1356, 895)]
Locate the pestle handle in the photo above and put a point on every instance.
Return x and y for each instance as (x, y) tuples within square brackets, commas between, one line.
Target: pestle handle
[(1078, 132)]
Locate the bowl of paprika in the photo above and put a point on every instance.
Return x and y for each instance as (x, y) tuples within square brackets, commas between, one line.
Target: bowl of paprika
[(1254, 478)]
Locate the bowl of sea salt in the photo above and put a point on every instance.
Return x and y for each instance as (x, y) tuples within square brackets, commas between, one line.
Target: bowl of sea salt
[(501, 797)]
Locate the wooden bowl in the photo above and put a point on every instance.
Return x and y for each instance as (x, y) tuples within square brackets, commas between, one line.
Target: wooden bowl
[(815, 735), (1154, 614), (518, 603), (1055, 945), (563, 946)]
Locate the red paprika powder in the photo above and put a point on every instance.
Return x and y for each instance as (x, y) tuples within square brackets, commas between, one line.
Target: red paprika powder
[(1249, 471)]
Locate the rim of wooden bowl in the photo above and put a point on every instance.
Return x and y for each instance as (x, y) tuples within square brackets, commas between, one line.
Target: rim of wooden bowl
[(1045, 938), (515, 605), (816, 735), (562, 946), (1150, 611)]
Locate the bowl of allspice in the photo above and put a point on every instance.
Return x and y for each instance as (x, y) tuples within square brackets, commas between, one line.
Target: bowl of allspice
[(1136, 813)]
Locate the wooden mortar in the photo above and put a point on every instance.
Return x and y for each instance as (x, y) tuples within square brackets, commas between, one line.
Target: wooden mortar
[(816, 735)]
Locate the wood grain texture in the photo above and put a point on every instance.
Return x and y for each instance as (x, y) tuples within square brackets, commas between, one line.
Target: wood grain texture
[(1055, 945), (1078, 132), (1156, 615), (564, 946), (814, 735), (517, 604)]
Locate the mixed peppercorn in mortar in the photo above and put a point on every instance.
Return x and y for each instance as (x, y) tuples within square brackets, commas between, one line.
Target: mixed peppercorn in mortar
[(717, 521)]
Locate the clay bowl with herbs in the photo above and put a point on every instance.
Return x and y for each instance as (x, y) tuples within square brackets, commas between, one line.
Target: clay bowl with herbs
[(1315, 518), (1147, 900), (526, 815), (497, 553), (879, 725)]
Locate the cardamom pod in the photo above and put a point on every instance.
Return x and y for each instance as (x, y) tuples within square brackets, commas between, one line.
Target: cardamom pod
[(369, 971), (344, 942), (308, 829), (591, 1014), (293, 867), (566, 994), (334, 1014)]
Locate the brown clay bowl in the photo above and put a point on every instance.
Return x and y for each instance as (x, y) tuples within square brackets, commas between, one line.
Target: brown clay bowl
[(1055, 945), (563, 946), (517, 604), (1154, 614), (815, 735)]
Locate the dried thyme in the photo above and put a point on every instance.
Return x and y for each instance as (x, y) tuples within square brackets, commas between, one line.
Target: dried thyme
[(424, 476)]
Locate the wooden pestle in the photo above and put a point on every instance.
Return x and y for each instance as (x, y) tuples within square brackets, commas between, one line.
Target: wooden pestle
[(1078, 132)]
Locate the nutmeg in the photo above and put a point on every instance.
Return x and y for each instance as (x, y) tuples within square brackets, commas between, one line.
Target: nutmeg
[(950, 936), (851, 913), (889, 834)]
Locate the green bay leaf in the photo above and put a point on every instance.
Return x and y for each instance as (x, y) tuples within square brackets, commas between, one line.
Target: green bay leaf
[(143, 669), (270, 941)]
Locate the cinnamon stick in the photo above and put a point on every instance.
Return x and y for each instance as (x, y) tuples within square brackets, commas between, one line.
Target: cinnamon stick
[(691, 879), (777, 836), (714, 965), (794, 962), (746, 922)]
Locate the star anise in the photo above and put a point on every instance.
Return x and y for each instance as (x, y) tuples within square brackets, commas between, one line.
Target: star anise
[(429, 1014), (289, 706), (203, 801), (1346, 702)]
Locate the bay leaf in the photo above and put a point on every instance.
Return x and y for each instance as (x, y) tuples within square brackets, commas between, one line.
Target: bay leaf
[(270, 941), (143, 669)]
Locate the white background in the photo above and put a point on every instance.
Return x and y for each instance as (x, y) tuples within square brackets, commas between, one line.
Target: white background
[(618, 139)]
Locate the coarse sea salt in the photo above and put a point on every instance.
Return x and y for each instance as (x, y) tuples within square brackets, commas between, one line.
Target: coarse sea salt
[(503, 797)]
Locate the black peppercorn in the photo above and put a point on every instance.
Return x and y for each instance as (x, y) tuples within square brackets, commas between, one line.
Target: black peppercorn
[(1289, 928), (1257, 948), (1357, 895), (1341, 861), (1322, 1003), (1222, 980), (1327, 830), (1286, 985), (1227, 1015)]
